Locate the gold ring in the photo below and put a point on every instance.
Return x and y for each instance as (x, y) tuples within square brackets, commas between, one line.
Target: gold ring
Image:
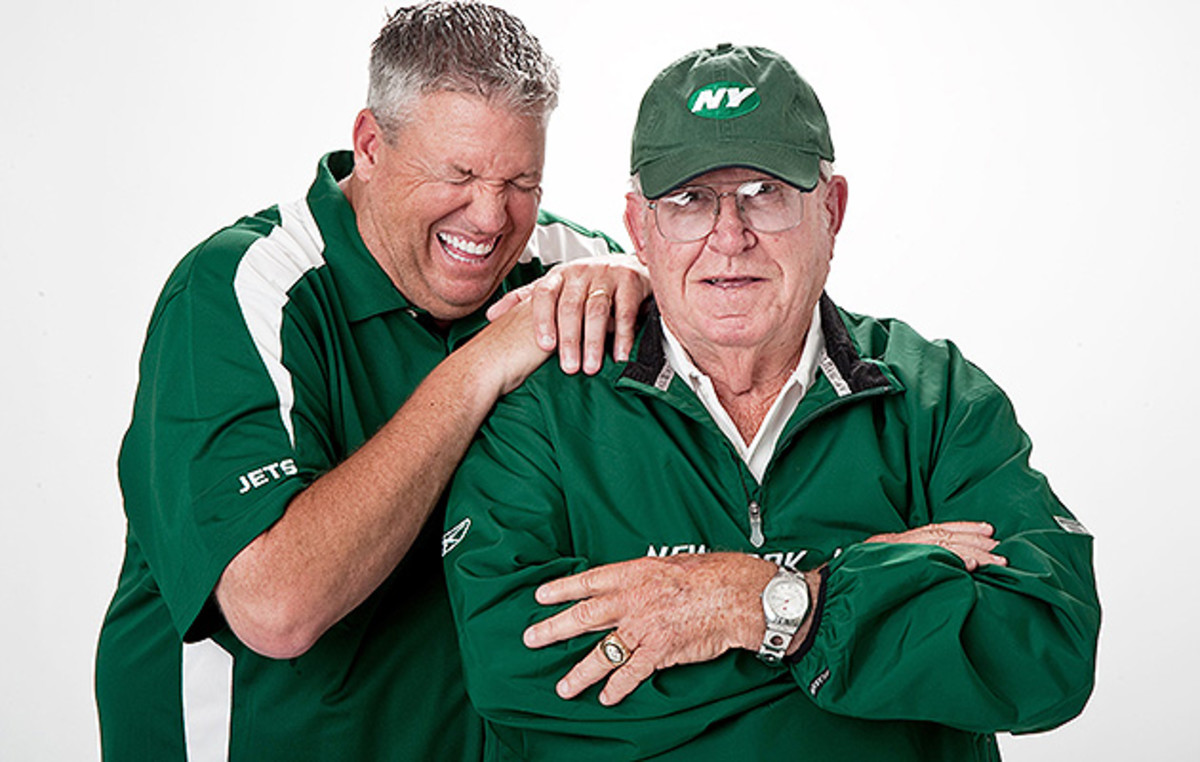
[(598, 292), (614, 649)]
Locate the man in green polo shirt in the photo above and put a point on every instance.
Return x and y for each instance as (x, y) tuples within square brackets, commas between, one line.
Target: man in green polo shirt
[(793, 531), (310, 379)]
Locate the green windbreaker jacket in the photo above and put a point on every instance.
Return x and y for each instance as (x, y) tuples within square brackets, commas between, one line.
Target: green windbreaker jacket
[(911, 656)]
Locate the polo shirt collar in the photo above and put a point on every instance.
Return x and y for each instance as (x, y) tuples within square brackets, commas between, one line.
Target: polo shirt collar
[(757, 454), (803, 375), (366, 288)]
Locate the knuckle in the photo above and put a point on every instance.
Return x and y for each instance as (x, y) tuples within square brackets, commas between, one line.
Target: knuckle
[(626, 309), (583, 613), (654, 645), (568, 323), (587, 582), (570, 300), (597, 309), (542, 296), (637, 670), (547, 285)]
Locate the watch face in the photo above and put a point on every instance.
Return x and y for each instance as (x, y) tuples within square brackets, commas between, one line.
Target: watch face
[(788, 599)]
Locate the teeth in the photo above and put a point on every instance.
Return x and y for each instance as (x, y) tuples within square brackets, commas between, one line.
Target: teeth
[(467, 247)]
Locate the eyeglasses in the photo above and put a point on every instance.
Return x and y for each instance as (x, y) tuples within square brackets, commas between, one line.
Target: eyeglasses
[(690, 213)]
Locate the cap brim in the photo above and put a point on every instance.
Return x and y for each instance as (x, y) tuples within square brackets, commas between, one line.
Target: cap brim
[(674, 169)]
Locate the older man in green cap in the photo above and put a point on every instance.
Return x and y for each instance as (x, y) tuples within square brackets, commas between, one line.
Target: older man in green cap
[(831, 521)]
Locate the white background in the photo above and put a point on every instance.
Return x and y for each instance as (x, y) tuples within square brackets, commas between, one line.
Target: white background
[(1022, 179)]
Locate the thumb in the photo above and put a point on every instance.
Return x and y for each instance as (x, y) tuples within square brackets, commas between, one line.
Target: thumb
[(508, 301)]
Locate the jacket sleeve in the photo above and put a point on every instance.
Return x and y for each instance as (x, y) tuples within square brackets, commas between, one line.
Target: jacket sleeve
[(907, 633)]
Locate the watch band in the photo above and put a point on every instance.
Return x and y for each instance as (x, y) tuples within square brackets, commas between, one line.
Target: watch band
[(775, 644), (785, 604)]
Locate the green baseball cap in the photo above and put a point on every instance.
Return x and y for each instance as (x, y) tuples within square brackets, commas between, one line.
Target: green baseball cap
[(729, 106)]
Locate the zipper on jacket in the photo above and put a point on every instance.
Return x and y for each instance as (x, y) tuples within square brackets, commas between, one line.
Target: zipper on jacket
[(756, 533)]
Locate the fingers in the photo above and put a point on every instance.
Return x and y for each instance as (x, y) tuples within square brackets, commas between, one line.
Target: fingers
[(590, 615), (593, 612), (594, 667), (637, 670), (975, 535), (597, 308), (971, 541), (578, 304), (585, 306), (972, 555), (584, 584), (590, 670), (572, 312), (510, 300), (679, 610), (932, 532), (571, 301), (545, 309)]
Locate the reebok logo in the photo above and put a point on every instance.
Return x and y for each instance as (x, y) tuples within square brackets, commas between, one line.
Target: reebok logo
[(724, 100), (452, 538)]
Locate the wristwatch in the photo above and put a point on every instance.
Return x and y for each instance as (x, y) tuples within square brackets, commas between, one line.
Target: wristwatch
[(785, 603)]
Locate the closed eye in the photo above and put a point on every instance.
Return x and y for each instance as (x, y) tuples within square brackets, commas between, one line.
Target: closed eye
[(525, 186), (459, 176)]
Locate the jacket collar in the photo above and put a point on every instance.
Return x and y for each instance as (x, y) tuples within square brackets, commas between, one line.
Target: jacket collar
[(649, 364)]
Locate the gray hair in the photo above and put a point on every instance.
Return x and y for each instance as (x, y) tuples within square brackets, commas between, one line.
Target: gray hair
[(465, 47)]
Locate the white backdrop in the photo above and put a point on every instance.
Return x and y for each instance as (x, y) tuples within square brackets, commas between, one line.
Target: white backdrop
[(1022, 179)]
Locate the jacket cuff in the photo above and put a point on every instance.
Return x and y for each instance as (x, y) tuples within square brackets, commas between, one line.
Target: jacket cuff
[(818, 610)]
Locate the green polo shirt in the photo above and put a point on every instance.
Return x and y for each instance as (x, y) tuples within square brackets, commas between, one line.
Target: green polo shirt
[(278, 347)]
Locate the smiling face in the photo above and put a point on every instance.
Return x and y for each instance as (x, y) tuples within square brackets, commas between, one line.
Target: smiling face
[(739, 289), (447, 205)]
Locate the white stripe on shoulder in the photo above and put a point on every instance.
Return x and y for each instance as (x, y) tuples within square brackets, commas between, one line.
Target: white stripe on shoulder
[(268, 270), (557, 242), (207, 684)]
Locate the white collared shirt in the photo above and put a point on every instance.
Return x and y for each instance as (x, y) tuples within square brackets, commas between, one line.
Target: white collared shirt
[(758, 454)]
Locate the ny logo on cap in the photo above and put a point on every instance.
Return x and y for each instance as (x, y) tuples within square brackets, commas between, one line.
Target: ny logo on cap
[(724, 100)]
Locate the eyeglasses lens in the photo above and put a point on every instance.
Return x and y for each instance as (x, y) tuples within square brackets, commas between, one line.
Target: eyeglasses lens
[(690, 214)]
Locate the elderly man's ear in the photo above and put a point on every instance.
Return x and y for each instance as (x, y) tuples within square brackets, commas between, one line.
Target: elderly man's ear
[(836, 193), (636, 215)]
